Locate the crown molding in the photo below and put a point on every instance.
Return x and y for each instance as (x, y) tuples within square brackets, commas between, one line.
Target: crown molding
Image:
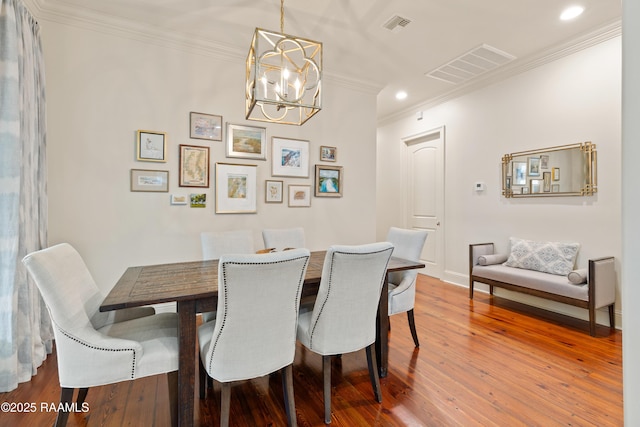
[(590, 39)]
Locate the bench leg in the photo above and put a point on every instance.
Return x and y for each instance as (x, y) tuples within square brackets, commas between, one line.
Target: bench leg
[(612, 316), (471, 289), (592, 320)]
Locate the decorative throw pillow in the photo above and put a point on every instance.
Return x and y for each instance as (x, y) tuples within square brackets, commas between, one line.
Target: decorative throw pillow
[(492, 259), (578, 277), (547, 257)]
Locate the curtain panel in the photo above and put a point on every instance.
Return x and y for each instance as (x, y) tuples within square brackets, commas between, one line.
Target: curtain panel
[(25, 327)]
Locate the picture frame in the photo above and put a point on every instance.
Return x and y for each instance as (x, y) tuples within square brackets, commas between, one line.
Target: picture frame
[(194, 166), (519, 173), (525, 190), (555, 174), (555, 188), (198, 200), (533, 166), (273, 191), (546, 178), (151, 181), (328, 181), (289, 157), (151, 146), (246, 142), (299, 196), (235, 188), (205, 126), (535, 186), (328, 154), (179, 199), (544, 162)]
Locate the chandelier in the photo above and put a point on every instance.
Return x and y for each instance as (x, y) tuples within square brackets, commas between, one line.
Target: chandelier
[(284, 77)]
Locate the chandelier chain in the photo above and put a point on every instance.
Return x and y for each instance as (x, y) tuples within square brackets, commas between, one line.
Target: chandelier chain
[(281, 16)]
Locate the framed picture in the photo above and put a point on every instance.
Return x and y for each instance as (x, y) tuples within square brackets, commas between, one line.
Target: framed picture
[(535, 186), (534, 166), (198, 200), (299, 196), (290, 157), (235, 188), (179, 199), (246, 142), (328, 181), (151, 146), (149, 180), (273, 191), (328, 154), (519, 173), (556, 174), (555, 188), (194, 166), (525, 190), (205, 126), (544, 162), (546, 178)]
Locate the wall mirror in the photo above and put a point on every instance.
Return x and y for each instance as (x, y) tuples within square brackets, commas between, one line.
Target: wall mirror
[(567, 170)]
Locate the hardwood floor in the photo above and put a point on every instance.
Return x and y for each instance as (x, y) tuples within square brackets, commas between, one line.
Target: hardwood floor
[(486, 362)]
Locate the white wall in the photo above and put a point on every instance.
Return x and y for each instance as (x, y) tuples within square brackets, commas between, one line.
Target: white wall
[(103, 86), (574, 99)]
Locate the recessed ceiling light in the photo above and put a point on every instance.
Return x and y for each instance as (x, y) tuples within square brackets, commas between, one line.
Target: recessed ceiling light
[(571, 12), (401, 95)]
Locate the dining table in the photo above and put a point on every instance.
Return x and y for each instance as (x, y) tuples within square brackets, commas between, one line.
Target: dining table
[(193, 286)]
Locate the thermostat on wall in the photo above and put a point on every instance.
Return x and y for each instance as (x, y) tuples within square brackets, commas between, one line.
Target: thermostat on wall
[(479, 186)]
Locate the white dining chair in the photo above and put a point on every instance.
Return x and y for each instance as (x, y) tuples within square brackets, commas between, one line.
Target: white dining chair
[(343, 316), (280, 239), (254, 331), (407, 244), (92, 349)]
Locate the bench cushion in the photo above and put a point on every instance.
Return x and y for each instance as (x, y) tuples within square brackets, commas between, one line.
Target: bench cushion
[(546, 282)]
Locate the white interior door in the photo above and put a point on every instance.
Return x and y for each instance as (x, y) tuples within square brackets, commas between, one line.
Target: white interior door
[(424, 196)]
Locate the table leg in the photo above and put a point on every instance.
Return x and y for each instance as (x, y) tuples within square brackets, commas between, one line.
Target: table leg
[(186, 364), (382, 330)]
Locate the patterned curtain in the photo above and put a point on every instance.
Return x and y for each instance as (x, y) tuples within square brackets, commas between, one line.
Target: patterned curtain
[(25, 327)]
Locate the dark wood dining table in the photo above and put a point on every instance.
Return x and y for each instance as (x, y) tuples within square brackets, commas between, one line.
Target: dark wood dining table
[(194, 287)]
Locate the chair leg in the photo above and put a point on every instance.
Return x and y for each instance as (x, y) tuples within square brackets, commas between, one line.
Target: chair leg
[(289, 401), (225, 404), (82, 395), (66, 396), (203, 377), (172, 380), (326, 370), (412, 327), (373, 372)]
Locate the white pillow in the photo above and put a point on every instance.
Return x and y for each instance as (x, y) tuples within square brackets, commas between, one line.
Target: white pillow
[(547, 257), (578, 277), (492, 259)]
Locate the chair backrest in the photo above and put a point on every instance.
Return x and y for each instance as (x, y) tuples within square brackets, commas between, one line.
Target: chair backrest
[(283, 238), (344, 313), (407, 244), (218, 243), (258, 304), (66, 286)]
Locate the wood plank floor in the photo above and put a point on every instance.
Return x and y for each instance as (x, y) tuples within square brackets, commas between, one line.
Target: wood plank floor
[(486, 362)]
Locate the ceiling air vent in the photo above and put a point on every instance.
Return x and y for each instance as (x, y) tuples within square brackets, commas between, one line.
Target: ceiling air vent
[(396, 23), (472, 64)]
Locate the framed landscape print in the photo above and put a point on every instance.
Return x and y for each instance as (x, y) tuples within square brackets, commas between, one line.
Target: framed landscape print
[(205, 126), (534, 166), (149, 180), (194, 166), (519, 173), (151, 146), (246, 142), (299, 196), (328, 154), (328, 181), (235, 188), (290, 157), (273, 191)]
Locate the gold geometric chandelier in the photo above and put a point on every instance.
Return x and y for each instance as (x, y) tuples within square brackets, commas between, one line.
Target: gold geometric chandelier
[(284, 77)]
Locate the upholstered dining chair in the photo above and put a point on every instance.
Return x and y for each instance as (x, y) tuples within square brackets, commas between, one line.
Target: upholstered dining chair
[(343, 317), (92, 350), (402, 284), (283, 238), (254, 331)]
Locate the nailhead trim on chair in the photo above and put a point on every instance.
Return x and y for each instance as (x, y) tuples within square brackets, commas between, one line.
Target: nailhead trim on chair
[(71, 337), (224, 275)]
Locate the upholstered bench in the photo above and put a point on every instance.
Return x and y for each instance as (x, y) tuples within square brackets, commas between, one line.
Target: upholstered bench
[(546, 270)]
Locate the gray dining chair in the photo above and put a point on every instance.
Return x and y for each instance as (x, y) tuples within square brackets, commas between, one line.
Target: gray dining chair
[(94, 348), (281, 239), (343, 317), (254, 331), (407, 244)]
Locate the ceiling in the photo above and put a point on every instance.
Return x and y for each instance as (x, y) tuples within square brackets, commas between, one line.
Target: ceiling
[(358, 50)]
